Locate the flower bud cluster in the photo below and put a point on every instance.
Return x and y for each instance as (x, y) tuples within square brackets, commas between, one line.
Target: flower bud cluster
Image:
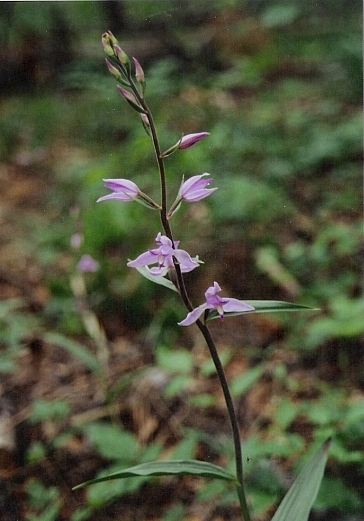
[(119, 66)]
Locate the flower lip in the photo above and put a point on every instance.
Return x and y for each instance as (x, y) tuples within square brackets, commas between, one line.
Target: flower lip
[(190, 139)]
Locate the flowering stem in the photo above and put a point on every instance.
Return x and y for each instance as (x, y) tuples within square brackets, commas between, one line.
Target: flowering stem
[(160, 162), (162, 175), (184, 295)]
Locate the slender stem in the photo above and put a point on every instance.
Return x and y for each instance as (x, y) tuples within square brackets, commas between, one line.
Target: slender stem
[(202, 327), (232, 416), (160, 162)]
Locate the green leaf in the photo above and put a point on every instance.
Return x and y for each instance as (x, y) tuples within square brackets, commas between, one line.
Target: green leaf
[(280, 14), (112, 442), (43, 410), (174, 360), (262, 306), (299, 499), (158, 280), (242, 383), (168, 468), (76, 349)]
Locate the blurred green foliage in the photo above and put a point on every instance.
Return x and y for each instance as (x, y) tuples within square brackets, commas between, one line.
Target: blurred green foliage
[(278, 86)]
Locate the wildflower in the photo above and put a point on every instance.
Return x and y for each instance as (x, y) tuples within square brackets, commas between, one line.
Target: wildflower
[(190, 139), (213, 301), (127, 95), (113, 70), (112, 38), (185, 142), (107, 41), (139, 73), (130, 98), (122, 56), (194, 189), (163, 257), (87, 264), (123, 190)]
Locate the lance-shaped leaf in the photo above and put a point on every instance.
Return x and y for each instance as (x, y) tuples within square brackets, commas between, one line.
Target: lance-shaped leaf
[(167, 468), (262, 306), (297, 503), (157, 279)]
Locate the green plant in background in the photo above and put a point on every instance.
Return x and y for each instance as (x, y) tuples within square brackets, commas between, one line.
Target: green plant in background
[(166, 266), (16, 323)]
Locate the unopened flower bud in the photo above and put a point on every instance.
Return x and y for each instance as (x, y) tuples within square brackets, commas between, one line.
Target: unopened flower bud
[(145, 119), (130, 98), (107, 44), (127, 95), (190, 139), (121, 55), (113, 70), (139, 73), (185, 142), (112, 38), (146, 124)]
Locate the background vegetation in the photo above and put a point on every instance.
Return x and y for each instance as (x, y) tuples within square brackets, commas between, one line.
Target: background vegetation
[(279, 87)]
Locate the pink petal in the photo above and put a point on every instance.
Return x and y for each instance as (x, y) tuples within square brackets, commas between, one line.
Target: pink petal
[(190, 139), (193, 316), (143, 260), (233, 304)]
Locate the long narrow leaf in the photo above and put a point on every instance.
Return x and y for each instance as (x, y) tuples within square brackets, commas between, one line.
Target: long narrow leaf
[(167, 468), (162, 281), (297, 503), (262, 306)]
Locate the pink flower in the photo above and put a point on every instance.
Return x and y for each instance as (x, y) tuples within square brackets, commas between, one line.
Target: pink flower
[(185, 142), (87, 263), (163, 257), (190, 139), (213, 301), (194, 189), (123, 190)]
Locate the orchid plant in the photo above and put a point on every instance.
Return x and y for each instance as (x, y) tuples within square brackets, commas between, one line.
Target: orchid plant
[(166, 264)]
